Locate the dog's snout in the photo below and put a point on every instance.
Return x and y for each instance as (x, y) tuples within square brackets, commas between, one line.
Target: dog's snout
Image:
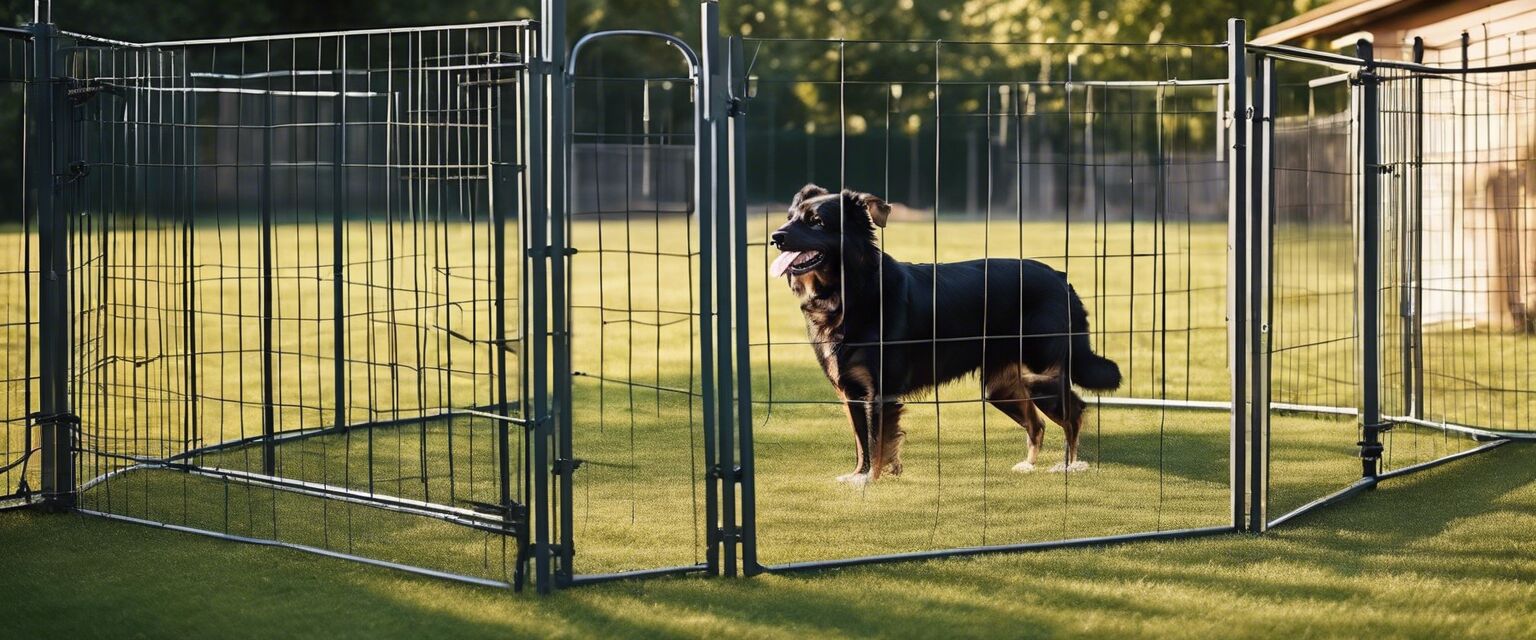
[(778, 238)]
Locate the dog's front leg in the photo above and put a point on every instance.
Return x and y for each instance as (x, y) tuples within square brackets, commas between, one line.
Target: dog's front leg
[(858, 417)]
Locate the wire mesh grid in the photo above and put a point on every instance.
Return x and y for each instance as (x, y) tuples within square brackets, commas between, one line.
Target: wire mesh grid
[(1107, 163), (638, 370), (1448, 271), (299, 314), (19, 467), (1314, 306), (1466, 229), (296, 268)]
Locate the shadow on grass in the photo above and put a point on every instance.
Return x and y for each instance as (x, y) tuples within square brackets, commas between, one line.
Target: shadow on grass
[(1449, 552)]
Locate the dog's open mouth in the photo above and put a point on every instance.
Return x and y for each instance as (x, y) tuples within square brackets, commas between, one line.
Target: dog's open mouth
[(795, 262)]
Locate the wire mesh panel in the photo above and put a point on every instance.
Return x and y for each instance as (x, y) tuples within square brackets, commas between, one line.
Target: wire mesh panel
[(1072, 201), (1466, 231), (1475, 374), (638, 373), (19, 467), (296, 270), (1392, 186), (1314, 305)]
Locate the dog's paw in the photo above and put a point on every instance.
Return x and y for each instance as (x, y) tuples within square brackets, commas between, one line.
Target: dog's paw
[(855, 480), (1024, 467), (1080, 465)]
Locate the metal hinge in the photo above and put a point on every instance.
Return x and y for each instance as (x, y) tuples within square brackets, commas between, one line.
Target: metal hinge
[(560, 465), (735, 107), (67, 418), (538, 67)]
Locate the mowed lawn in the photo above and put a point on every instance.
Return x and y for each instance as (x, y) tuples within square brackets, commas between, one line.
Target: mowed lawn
[(1157, 302), (1447, 553)]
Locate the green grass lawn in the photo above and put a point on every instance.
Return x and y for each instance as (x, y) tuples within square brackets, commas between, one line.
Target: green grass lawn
[(1447, 553), (416, 335)]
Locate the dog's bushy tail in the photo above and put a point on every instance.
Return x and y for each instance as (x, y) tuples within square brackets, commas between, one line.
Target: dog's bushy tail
[(1089, 370), (1093, 371)]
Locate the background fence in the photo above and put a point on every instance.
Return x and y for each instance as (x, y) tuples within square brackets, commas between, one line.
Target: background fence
[(450, 300)]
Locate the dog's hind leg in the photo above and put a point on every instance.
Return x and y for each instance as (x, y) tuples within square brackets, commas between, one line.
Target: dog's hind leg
[(1059, 402), (1010, 395), (888, 439)]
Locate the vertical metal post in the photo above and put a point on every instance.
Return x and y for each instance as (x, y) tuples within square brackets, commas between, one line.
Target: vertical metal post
[(339, 238), (1237, 259), (268, 396), (47, 122), (557, 422), (1261, 215), (703, 154), (1369, 242), (503, 200), (535, 263), (745, 468), (714, 59), (189, 255), (1413, 373)]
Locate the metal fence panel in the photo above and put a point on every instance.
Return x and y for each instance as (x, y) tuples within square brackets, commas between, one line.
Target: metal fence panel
[(20, 462), (295, 304)]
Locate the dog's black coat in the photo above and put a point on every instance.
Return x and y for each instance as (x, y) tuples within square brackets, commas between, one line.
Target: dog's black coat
[(887, 330)]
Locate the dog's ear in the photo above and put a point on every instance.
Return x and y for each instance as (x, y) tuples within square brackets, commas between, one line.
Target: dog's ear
[(810, 190), (877, 210)]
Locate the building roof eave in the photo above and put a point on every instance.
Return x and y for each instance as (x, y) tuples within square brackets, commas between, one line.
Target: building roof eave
[(1323, 18)]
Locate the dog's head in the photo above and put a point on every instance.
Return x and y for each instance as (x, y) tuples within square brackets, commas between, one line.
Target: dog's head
[(827, 233)]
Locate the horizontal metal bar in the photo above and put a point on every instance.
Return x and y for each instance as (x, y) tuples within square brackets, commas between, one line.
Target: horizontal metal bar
[(1352, 489), (1344, 61), (1298, 54), (332, 34), (13, 32), (1368, 483), (287, 73), (22, 501), (1430, 464), (599, 578), (421, 571), (1314, 408), (452, 515), (1215, 405), (1327, 80), (251, 92), (285, 436), (1475, 431), (1002, 548), (1216, 45), (1159, 403)]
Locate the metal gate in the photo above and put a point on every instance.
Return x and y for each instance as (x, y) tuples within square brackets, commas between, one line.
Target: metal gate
[(647, 475), (286, 292)]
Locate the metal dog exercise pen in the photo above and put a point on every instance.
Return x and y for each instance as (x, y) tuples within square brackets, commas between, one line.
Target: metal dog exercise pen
[(457, 301)]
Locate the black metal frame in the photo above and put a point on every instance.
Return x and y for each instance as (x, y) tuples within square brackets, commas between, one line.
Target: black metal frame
[(720, 83)]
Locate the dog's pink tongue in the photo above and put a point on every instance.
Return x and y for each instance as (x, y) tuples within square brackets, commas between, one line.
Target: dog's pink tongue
[(782, 263)]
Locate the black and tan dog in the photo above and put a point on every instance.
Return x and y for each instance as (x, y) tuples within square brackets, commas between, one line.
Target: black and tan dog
[(885, 331)]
